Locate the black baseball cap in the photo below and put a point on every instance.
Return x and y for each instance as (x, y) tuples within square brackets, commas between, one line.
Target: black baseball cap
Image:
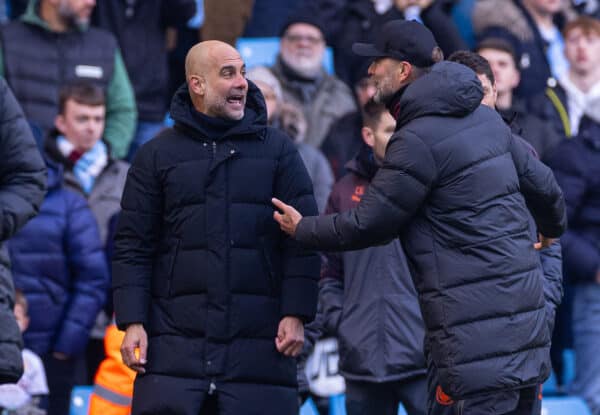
[(404, 40)]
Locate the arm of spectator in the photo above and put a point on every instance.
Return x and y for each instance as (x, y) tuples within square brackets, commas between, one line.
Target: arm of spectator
[(178, 12), (121, 113), (324, 181), (22, 171), (408, 168), (89, 273), (443, 28), (136, 240), (299, 289), (541, 191), (551, 259)]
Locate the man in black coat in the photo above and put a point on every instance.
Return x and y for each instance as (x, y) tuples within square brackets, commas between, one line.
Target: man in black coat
[(22, 188), (464, 226), (208, 288)]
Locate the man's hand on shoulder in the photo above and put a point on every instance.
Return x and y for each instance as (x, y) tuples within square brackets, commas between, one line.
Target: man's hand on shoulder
[(543, 242), (135, 338), (290, 336), (289, 217)]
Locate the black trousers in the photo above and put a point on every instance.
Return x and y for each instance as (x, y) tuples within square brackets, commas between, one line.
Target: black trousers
[(159, 394), (366, 398), (61, 379)]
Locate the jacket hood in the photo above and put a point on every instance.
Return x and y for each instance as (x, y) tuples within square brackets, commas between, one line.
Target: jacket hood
[(450, 89), (32, 17), (254, 120), (363, 164)]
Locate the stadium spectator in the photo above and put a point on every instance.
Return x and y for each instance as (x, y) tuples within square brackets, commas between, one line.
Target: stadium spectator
[(140, 29), (576, 164), (291, 120), (52, 45), (533, 28), (304, 82), (76, 144)]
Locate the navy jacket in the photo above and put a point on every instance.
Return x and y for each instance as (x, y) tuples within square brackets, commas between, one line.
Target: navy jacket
[(199, 259), (576, 165), (465, 230), (368, 298), (59, 264)]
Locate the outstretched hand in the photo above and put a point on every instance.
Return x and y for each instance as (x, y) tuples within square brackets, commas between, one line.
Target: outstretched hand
[(289, 218)]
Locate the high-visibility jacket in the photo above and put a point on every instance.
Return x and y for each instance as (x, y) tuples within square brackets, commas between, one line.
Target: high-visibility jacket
[(113, 385)]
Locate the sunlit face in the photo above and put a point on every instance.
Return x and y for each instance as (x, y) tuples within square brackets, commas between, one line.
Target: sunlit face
[(270, 99), (582, 50), (489, 91), (82, 125), (77, 11), (21, 317), (226, 87), (386, 74), (303, 48), (379, 136), (503, 66)]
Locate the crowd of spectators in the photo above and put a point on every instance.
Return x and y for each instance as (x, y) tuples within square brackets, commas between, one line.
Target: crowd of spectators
[(94, 80)]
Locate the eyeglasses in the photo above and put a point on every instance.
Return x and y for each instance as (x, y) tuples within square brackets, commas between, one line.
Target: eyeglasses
[(313, 40)]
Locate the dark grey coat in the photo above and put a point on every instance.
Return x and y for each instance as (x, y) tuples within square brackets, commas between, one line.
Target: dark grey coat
[(22, 188), (465, 231)]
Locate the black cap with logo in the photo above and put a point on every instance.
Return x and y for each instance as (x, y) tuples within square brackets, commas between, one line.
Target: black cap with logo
[(402, 40)]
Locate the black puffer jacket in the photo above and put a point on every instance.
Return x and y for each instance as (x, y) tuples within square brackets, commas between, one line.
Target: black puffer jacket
[(464, 229), (199, 259), (22, 187)]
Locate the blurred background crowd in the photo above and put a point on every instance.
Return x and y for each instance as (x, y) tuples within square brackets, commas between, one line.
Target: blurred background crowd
[(94, 80)]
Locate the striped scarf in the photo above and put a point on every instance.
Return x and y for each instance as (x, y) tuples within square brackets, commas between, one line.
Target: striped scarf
[(89, 165)]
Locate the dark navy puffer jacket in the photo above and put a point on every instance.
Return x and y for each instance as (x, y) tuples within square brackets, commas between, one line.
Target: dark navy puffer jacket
[(59, 264), (199, 259), (455, 186), (576, 165)]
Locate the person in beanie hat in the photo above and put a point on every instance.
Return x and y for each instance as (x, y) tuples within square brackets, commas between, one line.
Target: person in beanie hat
[(456, 187), (299, 68)]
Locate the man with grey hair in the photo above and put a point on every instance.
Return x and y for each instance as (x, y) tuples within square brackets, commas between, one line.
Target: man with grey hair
[(299, 68), (52, 45)]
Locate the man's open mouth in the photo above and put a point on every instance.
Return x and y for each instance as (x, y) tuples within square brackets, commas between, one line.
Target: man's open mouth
[(235, 99)]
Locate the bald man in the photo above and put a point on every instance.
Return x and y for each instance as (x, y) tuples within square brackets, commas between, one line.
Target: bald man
[(211, 294)]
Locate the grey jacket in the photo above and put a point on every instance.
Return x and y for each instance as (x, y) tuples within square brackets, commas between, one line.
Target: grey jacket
[(22, 188), (329, 100)]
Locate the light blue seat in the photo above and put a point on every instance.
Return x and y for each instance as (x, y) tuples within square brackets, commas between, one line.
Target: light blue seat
[(263, 51), (570, 405), (80, 400), (309, 408)]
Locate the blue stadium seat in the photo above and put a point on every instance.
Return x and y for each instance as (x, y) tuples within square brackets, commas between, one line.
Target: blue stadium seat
[(337, 406), (309, 408), (80, 400), (570, 405), (263, 51)]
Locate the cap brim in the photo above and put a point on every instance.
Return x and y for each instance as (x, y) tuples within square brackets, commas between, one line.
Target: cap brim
[(366, 49)]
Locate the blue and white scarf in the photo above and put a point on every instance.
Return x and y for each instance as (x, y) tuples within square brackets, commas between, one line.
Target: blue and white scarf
[(89, 166)]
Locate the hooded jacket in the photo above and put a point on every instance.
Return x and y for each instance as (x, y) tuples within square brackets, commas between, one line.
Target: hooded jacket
[(368, 298), (465, 230), (22, 188), (59, 264), (199, 260)]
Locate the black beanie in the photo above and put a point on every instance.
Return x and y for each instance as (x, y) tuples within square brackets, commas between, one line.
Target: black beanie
[(304, 14)]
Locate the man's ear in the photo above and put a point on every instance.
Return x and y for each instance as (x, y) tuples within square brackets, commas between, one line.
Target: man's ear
[(197, 84), (59, 123), (368, 136), (406, 71)]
